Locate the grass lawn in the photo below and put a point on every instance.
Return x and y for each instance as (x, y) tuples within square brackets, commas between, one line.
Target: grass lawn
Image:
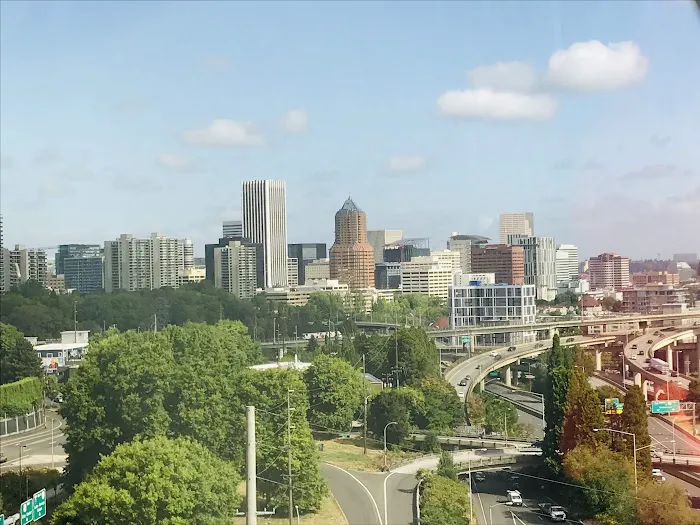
[(348, 454), (330, 514)]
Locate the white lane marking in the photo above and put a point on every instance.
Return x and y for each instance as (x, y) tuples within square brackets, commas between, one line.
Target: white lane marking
[(374, 502), (386, 502), (481, 503)]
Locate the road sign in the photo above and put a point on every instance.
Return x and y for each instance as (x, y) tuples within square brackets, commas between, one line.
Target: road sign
[(26, 511), (2, 519), (613, 406), (665, 407), (39, 500), (465, 339)]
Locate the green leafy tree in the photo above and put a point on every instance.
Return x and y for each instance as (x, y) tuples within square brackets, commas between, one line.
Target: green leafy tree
[(607, 392), (441, 409), (374, 348), (582, 415), (694, 390), (312, 345), (155, 481), (444, 501), (476, 410), (17, 356), (267, 391), (608, 481), (394, 405), (500, 415), (14, 486), (335, 393), (446, 466), (634, 420), (674, 510), (417, 356)]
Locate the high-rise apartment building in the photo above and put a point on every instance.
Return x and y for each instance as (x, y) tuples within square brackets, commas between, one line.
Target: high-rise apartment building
[(185, 249), (464, 245), (235, 268), (292, 271), (306, 253), (381, 238), (540, 263), (609, 271), (84, 274), (137, 264), (352, 257), (26, 264), (516, 224), (429, 275), (209, 262), (265, 223), (507, 263), (232, 229), (65, 251), (567, 263)]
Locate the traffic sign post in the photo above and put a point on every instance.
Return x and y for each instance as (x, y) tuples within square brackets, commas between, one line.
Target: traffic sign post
[(465, 339), (2, 519), (39, 504), (613, 406), (26, 512), (665, 407)]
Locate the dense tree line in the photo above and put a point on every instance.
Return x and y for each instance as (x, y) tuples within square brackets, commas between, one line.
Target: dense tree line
[(17, 357)]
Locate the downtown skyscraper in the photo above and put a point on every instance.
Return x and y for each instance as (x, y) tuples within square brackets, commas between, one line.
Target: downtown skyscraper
[(265, 223)]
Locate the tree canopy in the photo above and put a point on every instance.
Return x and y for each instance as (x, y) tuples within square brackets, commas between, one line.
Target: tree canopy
[(17, 356), (560, 362), (583, 415), (159, 480), (634, 420), (441, 409)]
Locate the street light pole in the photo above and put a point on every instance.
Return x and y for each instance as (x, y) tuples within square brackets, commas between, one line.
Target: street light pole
[(491, 510), (634, 448), (385, 427), (673, 426)]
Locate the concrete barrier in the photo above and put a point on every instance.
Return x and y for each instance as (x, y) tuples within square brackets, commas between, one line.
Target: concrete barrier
[(10, 426)]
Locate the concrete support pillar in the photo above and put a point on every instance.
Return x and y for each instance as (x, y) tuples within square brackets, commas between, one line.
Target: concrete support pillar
[(482, 386), (638, 379), (598, 360), (669, 356), (509, 376), (645, 389)]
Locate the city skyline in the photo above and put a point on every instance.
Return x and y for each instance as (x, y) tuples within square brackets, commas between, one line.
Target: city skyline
[(605, 161)]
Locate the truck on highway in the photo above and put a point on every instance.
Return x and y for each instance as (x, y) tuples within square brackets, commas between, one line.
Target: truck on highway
[(514, 498), (553, 512), (659, 365)]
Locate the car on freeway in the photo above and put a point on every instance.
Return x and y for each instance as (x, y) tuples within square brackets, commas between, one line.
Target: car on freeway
[(650, 341), (494, 354), (657, 475), (479, 476), (655, 453), (511, 349), (553, 512), (570, 340), (539, 345), (514, 498), (463, 382), (633, 357), (3, 458), (647, 360), (461, 395), (634, 347)]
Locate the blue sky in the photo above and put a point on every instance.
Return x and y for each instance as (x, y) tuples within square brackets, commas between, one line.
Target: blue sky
[(135, 117)]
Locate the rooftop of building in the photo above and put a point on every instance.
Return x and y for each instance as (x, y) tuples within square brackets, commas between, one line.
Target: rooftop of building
[(349, 206), (461, 237)]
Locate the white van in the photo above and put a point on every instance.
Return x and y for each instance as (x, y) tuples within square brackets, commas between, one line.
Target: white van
[(514, 498)]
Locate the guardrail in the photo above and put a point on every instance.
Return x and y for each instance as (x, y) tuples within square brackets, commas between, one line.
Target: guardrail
[(494, 461), (475, 442), (16, 425)]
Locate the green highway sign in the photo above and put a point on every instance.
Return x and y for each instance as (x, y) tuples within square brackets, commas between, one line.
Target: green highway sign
[(39, 500), (465, 339), (665, 407), (26, 512), (2, 519)]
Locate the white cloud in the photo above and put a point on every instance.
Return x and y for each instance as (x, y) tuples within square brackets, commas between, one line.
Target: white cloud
[(499, 105), (504, 76), (296, 121), (406, 164), (176, 162), (225, 132), (594, 66)]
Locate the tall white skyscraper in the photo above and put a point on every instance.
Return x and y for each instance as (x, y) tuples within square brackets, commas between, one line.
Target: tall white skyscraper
[(232, 229), (522, 223), (186, 253), (265, 223), (567, 263), (540, 263)]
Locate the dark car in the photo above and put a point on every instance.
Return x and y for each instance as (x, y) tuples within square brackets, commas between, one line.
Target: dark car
[(2, 459), (641, 352), (570, 340), (650, 341), (463, 382), (511, 349)]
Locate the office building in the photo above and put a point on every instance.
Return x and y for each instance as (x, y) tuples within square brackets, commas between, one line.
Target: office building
[(485, 304), (464, 245), (142, 264), (429, 275), (265, 223), (473, 279), (306, 253), (652, 298), (292, 271), (235, 268), (299, 295), (387, 276), (190, 276), (83, 273), (65, 251), (516, 224), (448, 256), (506, 262), (381, 238), (566, 262), (352, 257), (317, 270), (26, 264), (209, 266), (55, 283), (405, 249), (540, 264), (609, 271), (644, 278), (232, 229)]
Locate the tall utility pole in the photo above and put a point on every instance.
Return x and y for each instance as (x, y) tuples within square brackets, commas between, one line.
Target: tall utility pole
[(289, 454), (75, 321), (251, 517), (155, 323), (396, 348), (364, 396)]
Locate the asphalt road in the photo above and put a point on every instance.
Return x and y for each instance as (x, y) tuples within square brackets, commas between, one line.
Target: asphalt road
[(642, 344), (354, 497), (530, 400), (35, 447)]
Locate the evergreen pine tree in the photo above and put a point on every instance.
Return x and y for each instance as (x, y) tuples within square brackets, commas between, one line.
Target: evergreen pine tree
[(634, 420), (446, 466), (559, 366), (583, 413)]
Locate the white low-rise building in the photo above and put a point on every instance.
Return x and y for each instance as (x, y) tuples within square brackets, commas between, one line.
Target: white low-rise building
[(429, 274), (494, 304), (73, 346)]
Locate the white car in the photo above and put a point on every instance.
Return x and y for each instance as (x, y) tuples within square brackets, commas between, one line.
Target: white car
[(514, 498), (494, 354), (633, 357), (657, 475)]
